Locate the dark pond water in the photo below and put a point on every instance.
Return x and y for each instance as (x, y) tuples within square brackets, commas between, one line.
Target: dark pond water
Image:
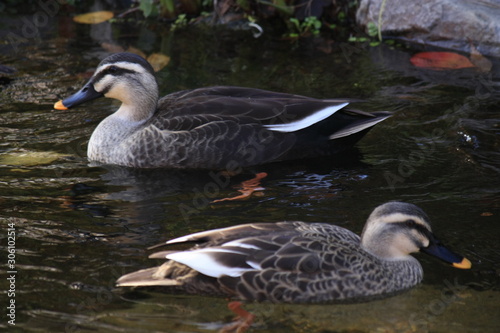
[(79, 226)]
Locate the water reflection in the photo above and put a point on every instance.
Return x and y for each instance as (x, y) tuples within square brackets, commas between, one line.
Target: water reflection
[(415, 311), (398, 59)]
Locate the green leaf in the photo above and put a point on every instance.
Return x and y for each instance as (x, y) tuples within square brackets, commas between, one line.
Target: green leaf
[(358, 39), (372, 29), (146, 6), (245, 4), (280, 5), (169, 5), (295, 22)]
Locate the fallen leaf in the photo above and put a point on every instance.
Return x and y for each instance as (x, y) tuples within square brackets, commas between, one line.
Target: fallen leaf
[(29, 158), (440, 60), (19, 170), (158, 61), (94, 17), (113, 48), (135, 50)]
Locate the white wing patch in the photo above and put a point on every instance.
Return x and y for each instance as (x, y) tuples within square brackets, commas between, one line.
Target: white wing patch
[(307, 121), (355, 129), (181, 239), (254, 265), (238, 243), (203, 261)]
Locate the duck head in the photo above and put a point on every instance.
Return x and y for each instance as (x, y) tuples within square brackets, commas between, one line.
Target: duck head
[(126, 77), (396, 229)]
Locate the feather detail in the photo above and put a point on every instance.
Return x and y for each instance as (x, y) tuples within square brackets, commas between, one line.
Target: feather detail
[(307, 121), (145, 278), (358, 127), (229, 233), (214, 262)]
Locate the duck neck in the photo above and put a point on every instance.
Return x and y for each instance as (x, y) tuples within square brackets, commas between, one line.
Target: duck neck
[(138, 105), (108, 135)]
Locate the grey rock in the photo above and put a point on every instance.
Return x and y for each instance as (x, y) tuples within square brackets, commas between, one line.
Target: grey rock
[(452, 24)]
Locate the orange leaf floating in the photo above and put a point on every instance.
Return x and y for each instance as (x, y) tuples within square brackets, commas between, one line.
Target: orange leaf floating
[(94, 17), (440, 60)]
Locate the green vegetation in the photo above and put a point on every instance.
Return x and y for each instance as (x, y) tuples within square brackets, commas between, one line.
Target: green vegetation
[(300, 18), (293, 19), (310, 25)]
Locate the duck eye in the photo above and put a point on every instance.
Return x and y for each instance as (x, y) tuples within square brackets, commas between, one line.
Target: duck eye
[(112, 69)]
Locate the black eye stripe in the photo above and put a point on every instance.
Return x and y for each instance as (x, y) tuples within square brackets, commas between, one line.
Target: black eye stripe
[(115, 70), (411, 224), (105, 90), (112, 70)]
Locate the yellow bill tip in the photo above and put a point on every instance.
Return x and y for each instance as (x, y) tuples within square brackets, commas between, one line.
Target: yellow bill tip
[(60, 106), (464, 264)]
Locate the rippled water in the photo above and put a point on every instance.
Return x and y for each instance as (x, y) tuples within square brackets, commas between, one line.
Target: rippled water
[(80, 226)]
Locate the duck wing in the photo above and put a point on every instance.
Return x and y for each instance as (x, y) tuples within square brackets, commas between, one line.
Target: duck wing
[(249, 105), (206, 141), (248, 261), (211, 127), (286, 246)]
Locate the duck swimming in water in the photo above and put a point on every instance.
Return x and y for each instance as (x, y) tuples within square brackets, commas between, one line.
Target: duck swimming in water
[(297, 262), (210, 128)]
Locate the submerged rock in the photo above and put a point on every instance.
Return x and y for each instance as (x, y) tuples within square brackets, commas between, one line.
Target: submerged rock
[(452, 24)]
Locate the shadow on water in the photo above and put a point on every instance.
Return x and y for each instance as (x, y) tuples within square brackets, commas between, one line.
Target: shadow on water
[(81, 226)]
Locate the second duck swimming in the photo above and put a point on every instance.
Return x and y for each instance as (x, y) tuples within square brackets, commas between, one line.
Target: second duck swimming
[(298, 262)]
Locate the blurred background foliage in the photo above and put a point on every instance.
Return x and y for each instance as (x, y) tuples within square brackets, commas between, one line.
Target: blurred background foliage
[(294, 18), (298, 18), (227, 10)]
